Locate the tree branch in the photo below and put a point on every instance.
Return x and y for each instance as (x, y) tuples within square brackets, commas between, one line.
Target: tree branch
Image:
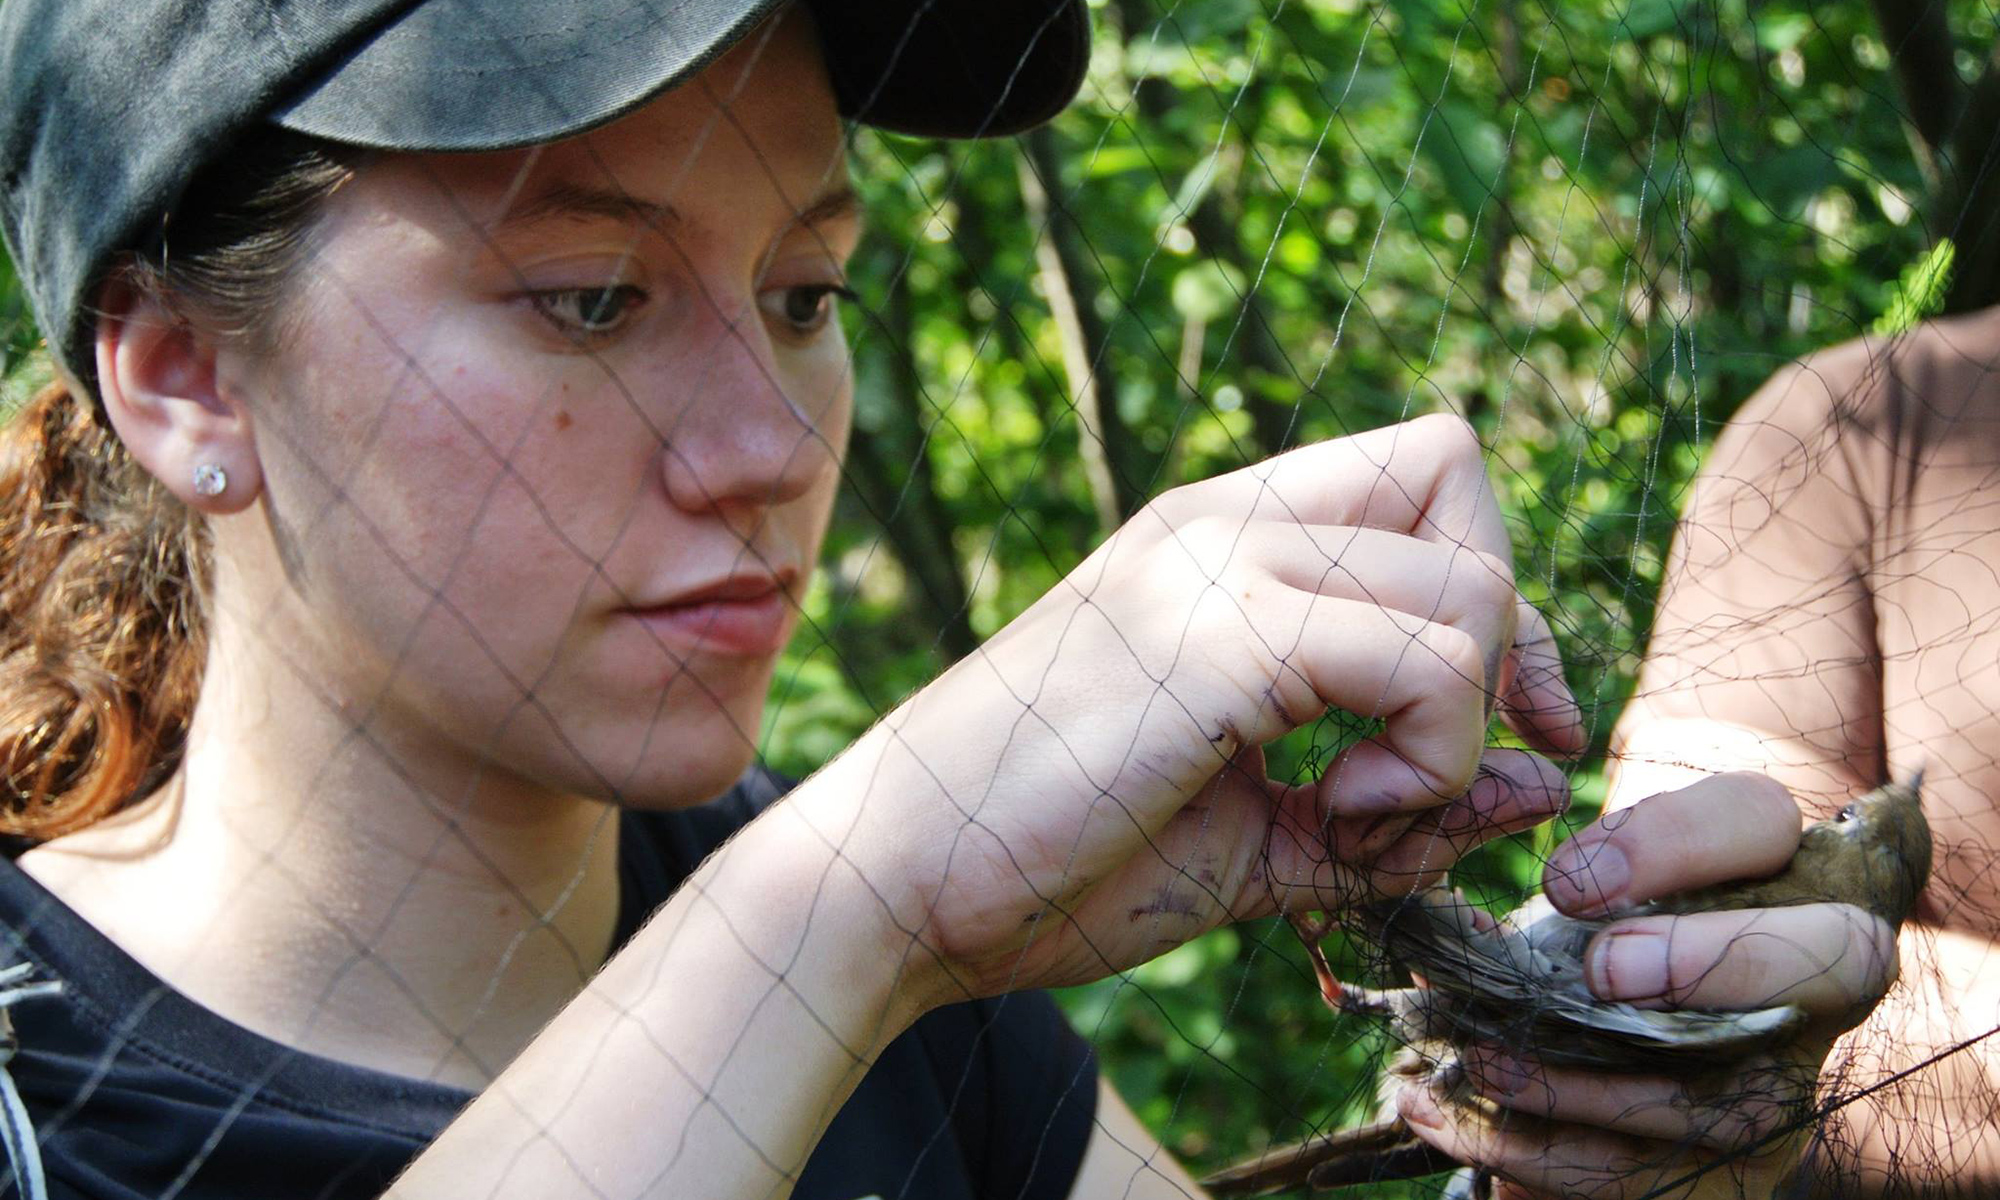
[(914, 519)]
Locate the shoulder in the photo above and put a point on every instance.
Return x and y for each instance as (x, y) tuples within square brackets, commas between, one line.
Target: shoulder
[(1934, 375), (1847, 426)]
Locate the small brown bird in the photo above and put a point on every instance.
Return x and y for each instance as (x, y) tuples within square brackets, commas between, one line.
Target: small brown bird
[(1521, 986)]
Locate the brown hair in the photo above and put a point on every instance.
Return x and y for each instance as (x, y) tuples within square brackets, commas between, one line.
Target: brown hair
[(102, 570)]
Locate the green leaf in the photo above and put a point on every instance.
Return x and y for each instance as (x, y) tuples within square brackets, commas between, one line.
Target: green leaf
[(1468, 151), (1194, 187), (1784, 31), (1362, 87), (1783, 182), (1919, 293), (1119, 160), (1208, 291), (1647, 18)]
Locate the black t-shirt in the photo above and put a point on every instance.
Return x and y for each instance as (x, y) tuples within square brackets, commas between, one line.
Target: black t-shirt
[(136, 1091)]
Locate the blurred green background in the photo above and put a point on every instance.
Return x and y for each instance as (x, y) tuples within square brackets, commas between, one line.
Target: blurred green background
[(1590, 227)]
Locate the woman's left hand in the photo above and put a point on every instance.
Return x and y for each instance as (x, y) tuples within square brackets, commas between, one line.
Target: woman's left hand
[(1578, 1133)]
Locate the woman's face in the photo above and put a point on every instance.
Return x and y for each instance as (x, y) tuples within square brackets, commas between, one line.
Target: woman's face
[(551, 437)]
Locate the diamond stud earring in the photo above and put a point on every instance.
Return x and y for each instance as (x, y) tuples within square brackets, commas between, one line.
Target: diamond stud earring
[(210, 480)]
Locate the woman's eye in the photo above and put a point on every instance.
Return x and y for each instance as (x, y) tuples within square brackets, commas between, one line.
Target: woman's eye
[(805, 309), (590, 312)]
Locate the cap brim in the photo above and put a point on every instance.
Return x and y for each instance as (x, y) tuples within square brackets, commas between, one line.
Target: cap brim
[(949, 68), (495, 74)]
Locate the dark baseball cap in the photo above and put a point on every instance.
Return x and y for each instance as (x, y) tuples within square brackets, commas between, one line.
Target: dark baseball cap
[(112, 106)]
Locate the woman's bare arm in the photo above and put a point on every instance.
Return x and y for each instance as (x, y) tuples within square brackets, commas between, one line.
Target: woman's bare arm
[(1082, 795)]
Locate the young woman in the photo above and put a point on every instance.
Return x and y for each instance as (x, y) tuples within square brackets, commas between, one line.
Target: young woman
[(451, 407)]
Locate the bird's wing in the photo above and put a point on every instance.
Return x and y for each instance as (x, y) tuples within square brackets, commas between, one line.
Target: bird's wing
[(1564, 1031), (1523, 988)]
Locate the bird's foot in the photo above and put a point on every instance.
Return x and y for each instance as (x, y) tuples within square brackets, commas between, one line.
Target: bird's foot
[(1312, 930)]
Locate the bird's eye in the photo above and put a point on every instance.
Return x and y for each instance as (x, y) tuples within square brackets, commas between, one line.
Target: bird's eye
[(1848, 814)]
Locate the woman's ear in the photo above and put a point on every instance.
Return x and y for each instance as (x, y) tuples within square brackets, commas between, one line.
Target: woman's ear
[(156, 373)]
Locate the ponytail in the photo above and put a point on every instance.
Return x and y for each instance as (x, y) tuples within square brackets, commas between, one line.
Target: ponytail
[(103, 572), (101, 628)]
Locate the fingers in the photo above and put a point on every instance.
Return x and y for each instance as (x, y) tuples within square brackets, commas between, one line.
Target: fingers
[(1559, 1158), (1405, 519), (1311, 862), (1458, 585), (1425, 478), (1737, 826), (1421, 678), (1451, 583), (1513, 791), (1535, 700), (1832, 960), (1760, 1098), (1394, 629)]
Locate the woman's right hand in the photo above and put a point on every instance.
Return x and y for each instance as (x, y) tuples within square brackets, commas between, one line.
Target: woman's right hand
[(1088, 790), (1083, 794)]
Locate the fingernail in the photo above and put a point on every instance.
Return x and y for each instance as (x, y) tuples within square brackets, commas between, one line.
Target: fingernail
[(1382, 833), (1591, 878), (1628, 965)]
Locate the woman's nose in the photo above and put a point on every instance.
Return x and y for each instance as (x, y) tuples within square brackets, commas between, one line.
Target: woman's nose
[(744, 437)]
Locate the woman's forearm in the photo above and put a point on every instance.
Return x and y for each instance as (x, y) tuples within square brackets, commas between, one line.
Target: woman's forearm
[(709, 1054)]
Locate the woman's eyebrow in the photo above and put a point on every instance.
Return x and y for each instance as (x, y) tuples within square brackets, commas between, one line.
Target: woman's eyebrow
[(568, 200), (571, 201), (841, 203)]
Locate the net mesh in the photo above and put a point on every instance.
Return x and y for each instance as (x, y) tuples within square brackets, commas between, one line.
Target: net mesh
[(1593, 230)]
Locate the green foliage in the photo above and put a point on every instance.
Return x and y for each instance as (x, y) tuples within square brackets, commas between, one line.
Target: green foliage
[(1591, 228), (1208, 291), (1919, 292)]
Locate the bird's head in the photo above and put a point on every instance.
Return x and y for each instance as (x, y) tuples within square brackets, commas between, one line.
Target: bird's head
[(1889, 841)]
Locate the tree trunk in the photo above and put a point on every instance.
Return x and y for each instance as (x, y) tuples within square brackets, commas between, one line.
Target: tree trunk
[(1922, 55), (1955, 135), (1252, 337), (1103, 442), (913, 518), (1501, 358), (1970, 214), (972, 239)]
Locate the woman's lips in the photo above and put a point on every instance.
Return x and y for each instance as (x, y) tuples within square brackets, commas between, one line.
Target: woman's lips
[(740, 627)]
